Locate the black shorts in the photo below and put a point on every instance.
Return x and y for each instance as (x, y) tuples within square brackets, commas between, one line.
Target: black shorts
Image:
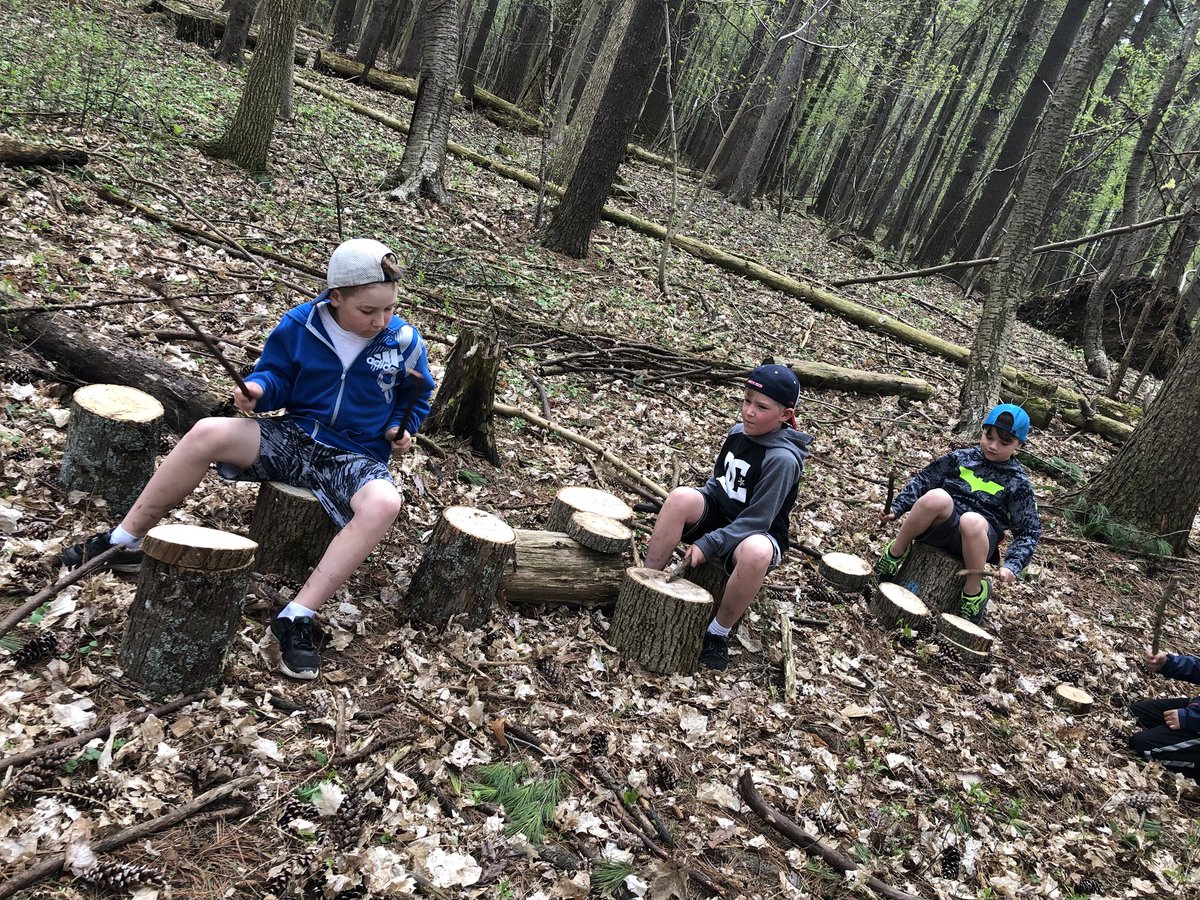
[(286, 453), (711, 521), (947, 536)]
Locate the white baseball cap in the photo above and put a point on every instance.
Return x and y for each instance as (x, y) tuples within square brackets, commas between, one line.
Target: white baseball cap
[(358, 261)]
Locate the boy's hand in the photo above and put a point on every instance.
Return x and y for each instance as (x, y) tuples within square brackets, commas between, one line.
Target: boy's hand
[(1006, 575), (244, 403), (1171, 717), (887, 516), (401, 441), (694, 557), (1155, 662)]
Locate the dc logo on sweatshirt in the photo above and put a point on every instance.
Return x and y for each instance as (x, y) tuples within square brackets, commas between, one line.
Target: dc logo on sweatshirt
[(734, 479)]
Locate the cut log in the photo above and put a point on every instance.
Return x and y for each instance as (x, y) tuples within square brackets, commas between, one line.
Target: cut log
[(660, 624), (584, 499), (845, 571), (551, 567), (600, 533), (463, 406), (858, 381), (963, 631), (19, 154), (932, 575), (112, 441), (895, 606), (963, 654), (292, 530), (462, 566), (187, 609), (1075, 699)]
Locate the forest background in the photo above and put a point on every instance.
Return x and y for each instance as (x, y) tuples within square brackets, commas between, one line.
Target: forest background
[(805, 154)]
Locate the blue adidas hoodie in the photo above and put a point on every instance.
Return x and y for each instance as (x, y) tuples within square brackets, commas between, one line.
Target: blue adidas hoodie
[(353, 408)]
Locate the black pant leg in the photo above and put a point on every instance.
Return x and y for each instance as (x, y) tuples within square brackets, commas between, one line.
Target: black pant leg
[(1173, 748), (1149, 713)]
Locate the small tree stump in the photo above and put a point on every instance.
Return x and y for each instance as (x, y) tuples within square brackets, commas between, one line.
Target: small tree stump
[(584, 499), (112, 440), (462, 566), (292, 530), (552, 567), (845, 571), (463, 405), (187, 609), (963, 631), (896, 607), (932, 575), (1075, 699), (963, 654), (660, 624), (599, 533)]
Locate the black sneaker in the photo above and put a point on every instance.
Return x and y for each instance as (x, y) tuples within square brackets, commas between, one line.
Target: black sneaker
[(297, 650), (126, 561), (714, 654)]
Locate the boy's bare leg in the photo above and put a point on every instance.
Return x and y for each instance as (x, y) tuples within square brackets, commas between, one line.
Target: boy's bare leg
[(376, 505), (683, 507), (933, 507), (233, 441), (751, 560), (974, 530)]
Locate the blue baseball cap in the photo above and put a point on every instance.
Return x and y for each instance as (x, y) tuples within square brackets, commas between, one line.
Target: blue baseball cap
[(1017, 423)]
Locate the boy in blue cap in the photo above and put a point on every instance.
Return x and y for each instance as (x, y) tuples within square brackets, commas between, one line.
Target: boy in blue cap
[(354, 379), (964, 502), (740, 516)]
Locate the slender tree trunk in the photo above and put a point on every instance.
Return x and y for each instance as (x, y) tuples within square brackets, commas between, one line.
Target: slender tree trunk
[(523, 52), (237, 29), (424, 161), (247, 139), (471, 65), (617, 113), (413, 57), (654, 113), (341, 25), (588, 38), (383, 13), (981, 384)]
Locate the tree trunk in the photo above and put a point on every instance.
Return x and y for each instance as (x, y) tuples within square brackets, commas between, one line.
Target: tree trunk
[(655, 112), (292, 531), (981, 384), (424, 161), (415, 36), (660, 624), (463, 406), (953, 207), (470, 69), (247, 140), (514, 74), (237, 29), (341, 25), (379, 24), (552, 567), (583, 199), (1017, 144), (585, 48)]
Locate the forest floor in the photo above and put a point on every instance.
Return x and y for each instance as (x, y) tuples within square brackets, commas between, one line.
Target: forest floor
[(942, 780)]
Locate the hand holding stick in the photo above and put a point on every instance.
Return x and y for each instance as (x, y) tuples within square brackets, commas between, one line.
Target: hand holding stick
[(417, 383), (1160, 612)]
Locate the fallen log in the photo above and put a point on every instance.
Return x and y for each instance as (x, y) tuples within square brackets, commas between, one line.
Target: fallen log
[(550, 567), (205, 27), (18, 154)]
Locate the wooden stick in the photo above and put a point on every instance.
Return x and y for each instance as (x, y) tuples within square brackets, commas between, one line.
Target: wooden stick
[(208, 342), (789, 661), (1160, 612), (53, 866), (26, 608), (891, 495)]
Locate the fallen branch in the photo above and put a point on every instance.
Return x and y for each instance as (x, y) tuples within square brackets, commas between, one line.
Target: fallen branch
[(18, 154), (53, 866), (27, 608), (808, 843)]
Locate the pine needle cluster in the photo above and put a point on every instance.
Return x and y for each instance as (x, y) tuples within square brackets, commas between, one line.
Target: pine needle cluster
[(528, 800), (608, 876)]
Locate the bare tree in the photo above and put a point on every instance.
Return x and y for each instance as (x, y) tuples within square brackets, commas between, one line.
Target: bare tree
[(237, 29)]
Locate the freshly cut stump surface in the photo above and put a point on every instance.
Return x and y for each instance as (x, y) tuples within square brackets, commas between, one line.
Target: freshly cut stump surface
[(660, 624), (292, 530), (845, 571), (573, 499), (965, 632), (599, 532), (1075, 699), (895, 607)]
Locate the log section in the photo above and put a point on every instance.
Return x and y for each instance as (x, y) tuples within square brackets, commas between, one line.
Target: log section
[(895, 606), (845, 571), (292, 530), (660, 624), (932, 575), (585, 499), (600, 533), (551, 567)]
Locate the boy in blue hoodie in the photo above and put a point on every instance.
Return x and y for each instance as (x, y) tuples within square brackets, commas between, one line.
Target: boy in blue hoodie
[(1171, 732), (740, 516), (964, 501), (347, 370)]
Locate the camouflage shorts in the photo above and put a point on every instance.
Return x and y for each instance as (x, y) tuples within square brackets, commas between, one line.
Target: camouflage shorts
[(286, 453)]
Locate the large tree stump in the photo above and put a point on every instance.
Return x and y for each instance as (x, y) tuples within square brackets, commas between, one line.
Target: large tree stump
[(187, 609), (585, 499), (660, 624), (112, 440), (463, 405), (551, 567), (710, 576), (461, 569), (933, 575), (292, 530), (599, 533)]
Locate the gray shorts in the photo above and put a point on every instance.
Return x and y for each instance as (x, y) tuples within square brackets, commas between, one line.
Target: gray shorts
[(286, 453)]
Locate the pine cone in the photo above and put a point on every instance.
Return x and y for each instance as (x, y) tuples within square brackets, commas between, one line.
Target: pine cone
[(36, 650), (551, 671), (295, 808), (96, 794), (664, 775), (1088, 886), (950, 859), (40, 773), (119, 876), (355, 893), (347, 822), (599, 744), (17, 373), (822, 821), (21, 453), (1141, 801), (38, 530)]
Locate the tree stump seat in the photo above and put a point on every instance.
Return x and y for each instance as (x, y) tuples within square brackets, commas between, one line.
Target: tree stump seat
[(292, 530), (574, 498), (600, 533), (660, 624), (933, 575)]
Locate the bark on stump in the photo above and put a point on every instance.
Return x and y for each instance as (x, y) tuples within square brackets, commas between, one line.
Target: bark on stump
[(584, 499), (660, 624), (845, 571), (462, 566), (599, 533), (463, 405), (292, 530), (187, 609), (112, 440), (1075, 699), (711, 576), (932, 575), (552, 567), (964, 632)]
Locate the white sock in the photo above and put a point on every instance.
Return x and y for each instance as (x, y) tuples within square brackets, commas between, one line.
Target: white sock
[(295, 611), (715, 627), (120, 536)]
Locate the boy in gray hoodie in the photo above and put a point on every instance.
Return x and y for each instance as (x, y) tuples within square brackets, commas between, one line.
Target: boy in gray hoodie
[(739, 518)]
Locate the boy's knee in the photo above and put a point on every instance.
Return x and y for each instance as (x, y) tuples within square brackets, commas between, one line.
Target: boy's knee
[(973, 525), (378, 500), (755, 553), (938, 500)]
